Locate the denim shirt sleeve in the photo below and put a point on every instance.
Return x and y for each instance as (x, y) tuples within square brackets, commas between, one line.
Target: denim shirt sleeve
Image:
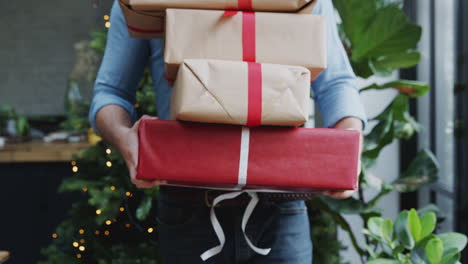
[(121, 68), (334, 90)]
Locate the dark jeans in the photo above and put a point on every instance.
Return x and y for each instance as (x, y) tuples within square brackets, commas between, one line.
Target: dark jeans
[(185, 232)]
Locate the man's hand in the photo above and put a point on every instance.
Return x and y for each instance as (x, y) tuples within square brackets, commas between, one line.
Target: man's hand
[(115, 126), (353, 124), (129, 151)]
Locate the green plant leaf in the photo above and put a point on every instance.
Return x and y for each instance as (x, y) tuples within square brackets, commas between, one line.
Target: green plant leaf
[(453, 240), (428, 224), (144, 208), (402, 230), (414, 225), (345, 206), (422, 170), (374, 224), (362, 68), (387, 229), (389, 33), (22, 126), (422, 243), (434, 250), (418, 256), (392, 62), (371, 252), (383, 261), (410, 88), (380, 136), (355, 16), (394, 122), (451, 256)]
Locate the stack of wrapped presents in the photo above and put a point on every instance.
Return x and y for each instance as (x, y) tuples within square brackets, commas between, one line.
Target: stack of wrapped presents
[(241, 73)]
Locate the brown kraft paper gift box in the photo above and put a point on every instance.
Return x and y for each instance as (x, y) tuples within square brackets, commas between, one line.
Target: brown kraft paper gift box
[(276, 38), (143, 24), (149, 24), (253, 5), (216, 91)]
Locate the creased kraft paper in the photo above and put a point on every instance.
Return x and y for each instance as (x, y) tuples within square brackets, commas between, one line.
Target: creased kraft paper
[(216, 91), (288, 39)]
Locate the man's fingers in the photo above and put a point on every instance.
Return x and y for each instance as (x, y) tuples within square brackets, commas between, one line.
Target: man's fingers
[(147, 184), (142, 184), (339, 194), (158, 182)]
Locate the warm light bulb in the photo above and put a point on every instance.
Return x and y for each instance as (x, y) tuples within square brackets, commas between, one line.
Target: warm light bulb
[(75, 168), (73, 163), (107, 24), (108, 151), (96, 232), (78, 255), (81, 231), (75, 244), (106, 17), (112, 188), (127, 225), (106, 233), (121, 209), (108, 222), (81, 248), (98, 211), (84, 189), (109, 164), (82, 241), (54, 235), (150, 230), (128, 194)]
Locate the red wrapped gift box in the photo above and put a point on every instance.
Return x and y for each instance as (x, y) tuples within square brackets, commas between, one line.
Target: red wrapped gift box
[(228, 156)]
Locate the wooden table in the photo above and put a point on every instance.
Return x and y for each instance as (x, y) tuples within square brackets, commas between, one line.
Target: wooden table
[(38, 151)]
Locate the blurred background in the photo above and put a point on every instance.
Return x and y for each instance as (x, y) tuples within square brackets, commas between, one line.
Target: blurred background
[(50, 52)]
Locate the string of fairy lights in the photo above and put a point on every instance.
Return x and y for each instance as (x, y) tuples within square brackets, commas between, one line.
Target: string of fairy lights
[(80, 244)]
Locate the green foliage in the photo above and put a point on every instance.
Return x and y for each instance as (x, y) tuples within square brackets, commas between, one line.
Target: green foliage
[(323, 233), (378, 36), (412, 241), (76, 110), (380, 39), (7, 112), (110, 201), (98, 42)]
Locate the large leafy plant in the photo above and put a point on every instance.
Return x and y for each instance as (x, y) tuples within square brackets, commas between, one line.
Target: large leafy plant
[(410, 240), (379, 39)]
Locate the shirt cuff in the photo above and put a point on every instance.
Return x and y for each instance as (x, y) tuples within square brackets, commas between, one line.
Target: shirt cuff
[(342, 102)]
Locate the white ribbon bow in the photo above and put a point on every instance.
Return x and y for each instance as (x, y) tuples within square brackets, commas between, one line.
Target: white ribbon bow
[(219, 230)]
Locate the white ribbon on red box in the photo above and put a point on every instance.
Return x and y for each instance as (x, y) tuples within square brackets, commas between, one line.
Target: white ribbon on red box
[(242, 180)]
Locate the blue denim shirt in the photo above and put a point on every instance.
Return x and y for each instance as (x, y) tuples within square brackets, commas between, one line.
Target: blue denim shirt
[(125, 59)]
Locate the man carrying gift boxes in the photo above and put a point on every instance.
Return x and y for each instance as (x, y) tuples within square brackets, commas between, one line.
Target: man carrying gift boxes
[(231, 68)]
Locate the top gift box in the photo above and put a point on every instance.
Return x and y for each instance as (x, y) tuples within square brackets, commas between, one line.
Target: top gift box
[(246, 5)]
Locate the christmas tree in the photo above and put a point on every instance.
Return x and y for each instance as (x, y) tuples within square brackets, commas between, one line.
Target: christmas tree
[(114, 221)]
